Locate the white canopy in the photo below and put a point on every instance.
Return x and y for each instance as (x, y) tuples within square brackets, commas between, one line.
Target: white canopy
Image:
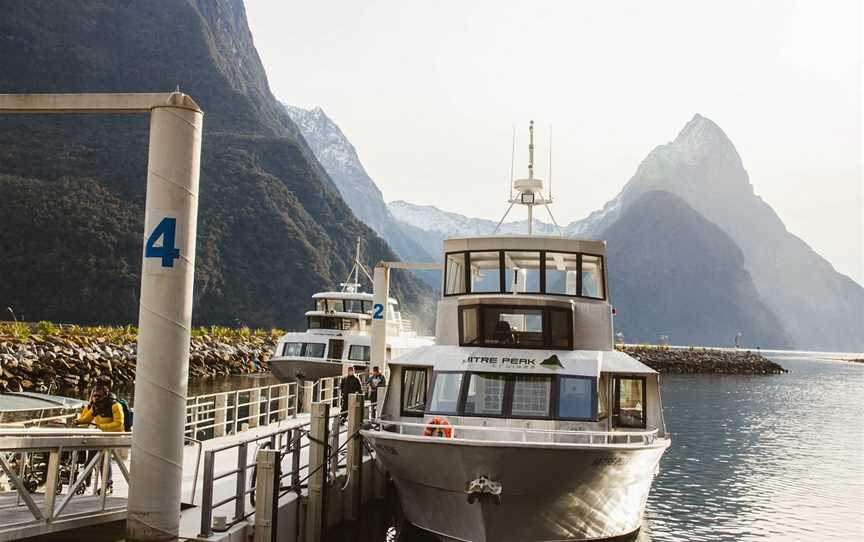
[(510, 360)]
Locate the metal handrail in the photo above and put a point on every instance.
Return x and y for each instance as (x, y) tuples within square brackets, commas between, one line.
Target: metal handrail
[(606, 436), (203, 412), (21, 444)]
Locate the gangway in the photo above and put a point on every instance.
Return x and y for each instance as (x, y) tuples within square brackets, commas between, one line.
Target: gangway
[(224, 432)]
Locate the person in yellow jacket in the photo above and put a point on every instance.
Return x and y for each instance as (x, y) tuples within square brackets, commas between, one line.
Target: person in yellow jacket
[(103, 410), (106, 413)]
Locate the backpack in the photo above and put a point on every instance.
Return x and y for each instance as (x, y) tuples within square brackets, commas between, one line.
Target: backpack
[(127, 414)]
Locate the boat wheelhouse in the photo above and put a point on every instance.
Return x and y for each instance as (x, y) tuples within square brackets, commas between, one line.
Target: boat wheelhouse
[(522, 422), (338, 334)]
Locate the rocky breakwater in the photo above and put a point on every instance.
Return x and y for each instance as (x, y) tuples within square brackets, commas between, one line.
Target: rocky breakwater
[(68, 359), (702, 360)]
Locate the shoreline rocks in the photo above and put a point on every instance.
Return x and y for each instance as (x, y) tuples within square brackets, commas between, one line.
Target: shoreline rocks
[(67, 360), (664, 359)]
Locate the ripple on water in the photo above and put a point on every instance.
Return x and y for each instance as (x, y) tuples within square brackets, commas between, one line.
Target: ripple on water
[(776, 457)]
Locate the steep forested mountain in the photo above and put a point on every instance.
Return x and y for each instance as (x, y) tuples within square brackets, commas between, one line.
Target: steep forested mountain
[(272, 227), (340, 159)]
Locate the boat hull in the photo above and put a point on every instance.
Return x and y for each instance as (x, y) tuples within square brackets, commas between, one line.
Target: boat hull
[(548, 492), (290, 370)]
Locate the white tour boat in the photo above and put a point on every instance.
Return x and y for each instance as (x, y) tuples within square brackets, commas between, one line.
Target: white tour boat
[(338, 334), (522, 422)]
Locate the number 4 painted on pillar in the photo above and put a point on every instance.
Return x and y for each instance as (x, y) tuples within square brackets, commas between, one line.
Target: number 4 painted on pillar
[(167, 230)]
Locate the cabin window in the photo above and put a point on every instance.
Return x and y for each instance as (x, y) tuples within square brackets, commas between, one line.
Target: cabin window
[(358, 352), (629, 395), (309, 350), (562, 272), (445, 394), (532, 396), (592, 276), (485, 272), (292, 349), (512, 327), (515, 326), (603, 396), (470, 318), (413, 391), (485, 396), (454, 274), (522, 271), (321, 305), (576, 398), (353, 305), (314, 350)]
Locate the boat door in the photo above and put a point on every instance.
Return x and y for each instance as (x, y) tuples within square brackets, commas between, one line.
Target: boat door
[(628, 401), (335, 349)]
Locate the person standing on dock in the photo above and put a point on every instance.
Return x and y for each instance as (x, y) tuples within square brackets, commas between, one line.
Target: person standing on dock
[(350, 384), (375, 381)]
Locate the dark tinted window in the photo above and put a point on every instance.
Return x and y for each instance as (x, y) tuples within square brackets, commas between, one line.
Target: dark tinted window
[(576, 398), (413, 391), (358, 352)]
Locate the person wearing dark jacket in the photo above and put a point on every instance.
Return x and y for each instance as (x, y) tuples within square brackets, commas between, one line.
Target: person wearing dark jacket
[(350, 384), (376, 380)]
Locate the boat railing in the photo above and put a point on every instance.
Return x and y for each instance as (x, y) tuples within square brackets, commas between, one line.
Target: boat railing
[(229, 412), (520, 434)]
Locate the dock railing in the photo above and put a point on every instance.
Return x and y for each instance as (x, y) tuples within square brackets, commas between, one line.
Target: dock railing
[(230, 412), (62, 463), (293, 472), (520, 434)]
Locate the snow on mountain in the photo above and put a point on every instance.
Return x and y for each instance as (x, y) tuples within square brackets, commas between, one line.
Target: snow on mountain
[(340, 159)]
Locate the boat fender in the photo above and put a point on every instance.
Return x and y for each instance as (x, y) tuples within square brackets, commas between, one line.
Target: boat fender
[(438, 427)]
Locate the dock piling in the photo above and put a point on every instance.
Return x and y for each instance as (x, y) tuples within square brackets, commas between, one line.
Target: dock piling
[(266, 495), (354, 462), (320, 413)]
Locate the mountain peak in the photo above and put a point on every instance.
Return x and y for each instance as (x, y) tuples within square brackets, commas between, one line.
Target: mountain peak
[(703, 133)]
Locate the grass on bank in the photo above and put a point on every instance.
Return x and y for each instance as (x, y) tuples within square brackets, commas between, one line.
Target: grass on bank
[(23, 331)]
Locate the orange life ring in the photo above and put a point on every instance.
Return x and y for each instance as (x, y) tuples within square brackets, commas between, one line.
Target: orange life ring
[(438, 427)]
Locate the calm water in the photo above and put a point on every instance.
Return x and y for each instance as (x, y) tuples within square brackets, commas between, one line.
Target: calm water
[(763, 458)]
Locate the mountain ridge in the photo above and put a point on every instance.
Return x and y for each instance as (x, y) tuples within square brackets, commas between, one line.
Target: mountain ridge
[(272, 226)]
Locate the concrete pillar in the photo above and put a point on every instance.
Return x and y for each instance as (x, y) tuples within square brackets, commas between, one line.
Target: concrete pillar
[(308, 395), (320, 413), (220, 405), (254, 407), (282, 402), (167, 272), (380, 395), (354, 462), (380, 295)]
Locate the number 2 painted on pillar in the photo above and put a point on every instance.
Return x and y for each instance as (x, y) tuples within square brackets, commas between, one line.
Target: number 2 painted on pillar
[(379, 312), (167, 230)]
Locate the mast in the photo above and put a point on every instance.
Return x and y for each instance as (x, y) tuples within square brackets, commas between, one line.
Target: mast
[(530, 190)]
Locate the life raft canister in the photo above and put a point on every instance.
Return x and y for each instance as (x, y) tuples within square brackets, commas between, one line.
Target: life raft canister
[(443, 428)]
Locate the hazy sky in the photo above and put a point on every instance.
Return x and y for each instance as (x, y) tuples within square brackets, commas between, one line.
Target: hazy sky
[(429, 92)]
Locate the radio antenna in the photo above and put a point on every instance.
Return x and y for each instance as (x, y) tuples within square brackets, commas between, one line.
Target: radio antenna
[(512, 163), (549, 165)]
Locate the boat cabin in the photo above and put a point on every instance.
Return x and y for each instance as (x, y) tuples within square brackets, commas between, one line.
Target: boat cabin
[(350, 311), (524, 339), (525, 292)]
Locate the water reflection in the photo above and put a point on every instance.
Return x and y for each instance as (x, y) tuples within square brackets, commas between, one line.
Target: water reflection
[(763, 458)]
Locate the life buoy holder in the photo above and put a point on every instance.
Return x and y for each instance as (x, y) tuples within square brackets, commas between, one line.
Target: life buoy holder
[(438, 427)]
